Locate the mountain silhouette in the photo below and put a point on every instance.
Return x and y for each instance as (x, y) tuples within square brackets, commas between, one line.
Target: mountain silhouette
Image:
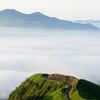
[(13, 18)]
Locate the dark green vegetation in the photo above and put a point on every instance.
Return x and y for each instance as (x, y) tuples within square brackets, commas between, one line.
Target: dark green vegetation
[(38, 88), (86, 90), (13, 18)]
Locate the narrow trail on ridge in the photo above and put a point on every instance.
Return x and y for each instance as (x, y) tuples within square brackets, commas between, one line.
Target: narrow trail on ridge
[(66, 91)]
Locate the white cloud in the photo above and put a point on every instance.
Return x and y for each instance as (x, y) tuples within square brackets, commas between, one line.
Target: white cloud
[(11, 79), (52, 52)]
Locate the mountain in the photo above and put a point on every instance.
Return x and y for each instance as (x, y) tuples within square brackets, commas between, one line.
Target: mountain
[(55, 87), (93, 22), (13, 18), (88, 21)]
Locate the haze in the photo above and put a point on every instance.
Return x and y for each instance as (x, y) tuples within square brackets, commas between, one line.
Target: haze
[(24, 52), (62, 9)]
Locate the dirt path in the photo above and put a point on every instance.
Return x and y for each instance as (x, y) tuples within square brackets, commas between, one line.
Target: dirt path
[(67, 90)]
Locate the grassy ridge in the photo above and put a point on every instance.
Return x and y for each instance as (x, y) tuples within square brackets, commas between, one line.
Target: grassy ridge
[(86, 90), (38, 88)]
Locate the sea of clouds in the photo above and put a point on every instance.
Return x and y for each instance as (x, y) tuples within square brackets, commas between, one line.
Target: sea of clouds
[(24, 52)]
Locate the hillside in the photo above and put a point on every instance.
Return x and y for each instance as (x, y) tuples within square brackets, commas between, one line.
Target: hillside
[(13, 18), (47, 87)]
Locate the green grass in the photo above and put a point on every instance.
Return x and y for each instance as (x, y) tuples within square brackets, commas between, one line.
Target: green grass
[(86, 90), (38, 88)]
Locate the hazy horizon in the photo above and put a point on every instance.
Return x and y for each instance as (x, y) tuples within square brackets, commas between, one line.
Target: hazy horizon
[(26, 51), (61, 9)]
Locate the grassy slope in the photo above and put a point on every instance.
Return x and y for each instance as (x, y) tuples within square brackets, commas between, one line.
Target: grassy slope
[(38, 88), (86, 90)]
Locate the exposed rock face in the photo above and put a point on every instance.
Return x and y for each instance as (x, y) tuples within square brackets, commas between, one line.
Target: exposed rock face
[(62, 78)]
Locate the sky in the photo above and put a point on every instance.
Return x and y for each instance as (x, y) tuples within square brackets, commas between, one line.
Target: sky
[(62, 9)]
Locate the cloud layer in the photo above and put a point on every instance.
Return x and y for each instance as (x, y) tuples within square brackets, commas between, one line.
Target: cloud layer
[(24, 52)]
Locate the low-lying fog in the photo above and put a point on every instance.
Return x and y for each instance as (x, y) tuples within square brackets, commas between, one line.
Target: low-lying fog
[(24, 52)]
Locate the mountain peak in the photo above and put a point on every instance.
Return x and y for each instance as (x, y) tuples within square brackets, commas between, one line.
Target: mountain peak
[(10, 11), (38, 13), (38, 19)]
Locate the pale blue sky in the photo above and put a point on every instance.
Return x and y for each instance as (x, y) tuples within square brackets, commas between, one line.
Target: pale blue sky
[(63, 9)]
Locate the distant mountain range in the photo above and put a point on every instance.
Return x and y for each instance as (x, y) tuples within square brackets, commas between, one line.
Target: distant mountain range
[(93, 22), (13, 18), (88, 21)]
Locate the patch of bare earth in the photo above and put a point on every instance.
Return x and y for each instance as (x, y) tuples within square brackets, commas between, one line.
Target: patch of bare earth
[(66, 79)]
